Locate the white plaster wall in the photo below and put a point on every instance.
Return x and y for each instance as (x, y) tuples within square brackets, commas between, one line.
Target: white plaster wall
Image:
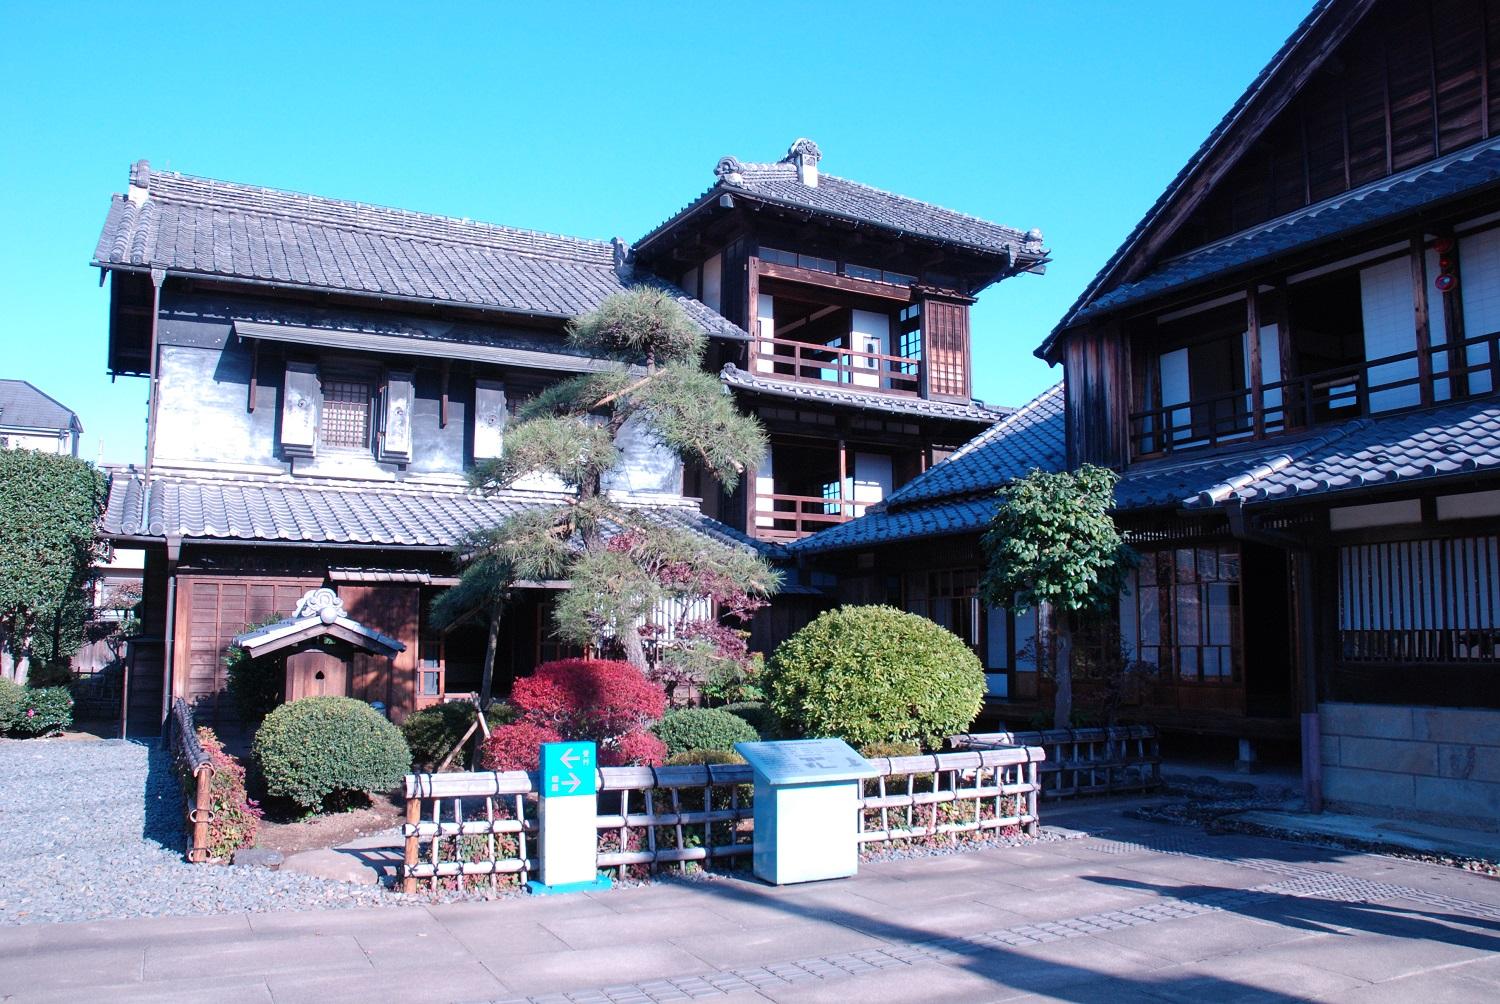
[(203, 415)]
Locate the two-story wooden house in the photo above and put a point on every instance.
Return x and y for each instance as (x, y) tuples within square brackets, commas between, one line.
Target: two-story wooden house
[(1293, 362), (323, 375)]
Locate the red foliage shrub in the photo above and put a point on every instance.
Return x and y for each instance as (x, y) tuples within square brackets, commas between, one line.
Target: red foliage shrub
[(598, 699), (236, 816), (516, 746), (642, 748)]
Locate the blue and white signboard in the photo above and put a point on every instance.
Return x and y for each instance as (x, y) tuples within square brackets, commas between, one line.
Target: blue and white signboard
[(806, 808), (569, 838)]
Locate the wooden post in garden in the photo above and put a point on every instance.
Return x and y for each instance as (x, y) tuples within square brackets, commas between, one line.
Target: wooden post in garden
[(413, 817), (202, 813), (1034, 824)]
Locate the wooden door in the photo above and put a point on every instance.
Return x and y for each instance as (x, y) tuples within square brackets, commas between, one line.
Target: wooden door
[(315, 673)]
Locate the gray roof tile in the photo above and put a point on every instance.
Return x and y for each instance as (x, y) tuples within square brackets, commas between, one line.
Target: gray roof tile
[(206, 227), (841, 394), (22, 406), (841, 198), (266, 509), (1464, 172), (958, 495)]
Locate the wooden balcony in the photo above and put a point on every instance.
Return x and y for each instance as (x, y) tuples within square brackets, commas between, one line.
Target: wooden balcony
[(808, 362), (1375, 387), (785, 518)]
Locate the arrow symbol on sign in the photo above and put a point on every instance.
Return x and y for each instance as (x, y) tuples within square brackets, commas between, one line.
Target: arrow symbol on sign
[(573, 784), (568, 758)]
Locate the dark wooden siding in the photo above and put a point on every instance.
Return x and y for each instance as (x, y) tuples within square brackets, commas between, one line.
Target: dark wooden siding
[(1097, 383), (1415, 81), (396, 611)]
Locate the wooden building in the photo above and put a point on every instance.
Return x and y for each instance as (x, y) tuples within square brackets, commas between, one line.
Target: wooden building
[(324, 374), (1293, 362)]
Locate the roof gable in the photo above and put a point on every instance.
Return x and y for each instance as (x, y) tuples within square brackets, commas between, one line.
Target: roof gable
[(1277, 84)]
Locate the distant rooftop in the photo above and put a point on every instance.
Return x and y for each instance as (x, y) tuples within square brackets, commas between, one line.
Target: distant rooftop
[(22, 406)]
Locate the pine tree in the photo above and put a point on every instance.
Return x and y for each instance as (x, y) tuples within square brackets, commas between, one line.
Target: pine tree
[(622, 561)]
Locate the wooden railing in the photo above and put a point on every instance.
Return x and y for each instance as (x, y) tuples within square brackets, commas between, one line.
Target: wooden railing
[(1084, 761), (474, 832), (1330, 395), (798, 515), (813, 363), (196, 770)]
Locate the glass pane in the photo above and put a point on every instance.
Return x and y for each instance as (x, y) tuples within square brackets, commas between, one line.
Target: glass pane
[(1220, 613), (1188, 663), (997, 638), (1026, 641), (1187, 564)]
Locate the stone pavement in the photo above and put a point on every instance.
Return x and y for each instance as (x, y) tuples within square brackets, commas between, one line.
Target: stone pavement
[(1137, 911)]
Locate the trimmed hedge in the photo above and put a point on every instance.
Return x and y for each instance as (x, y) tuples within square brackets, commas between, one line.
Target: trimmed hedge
[(760, 716), (10, 699), (702, 729), (875, 674), (435, 730), (318, 747), (690, 758)]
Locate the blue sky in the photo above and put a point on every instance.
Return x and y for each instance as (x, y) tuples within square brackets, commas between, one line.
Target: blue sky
[(598, 120)]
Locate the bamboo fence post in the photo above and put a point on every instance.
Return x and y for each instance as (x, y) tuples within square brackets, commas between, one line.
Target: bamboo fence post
[(1033, 824), (202, 812), (413, 817)]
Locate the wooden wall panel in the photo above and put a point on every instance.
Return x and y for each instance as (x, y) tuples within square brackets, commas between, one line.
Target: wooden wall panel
[(211, 610), (396, 611), (945, 338), (1098, 385)]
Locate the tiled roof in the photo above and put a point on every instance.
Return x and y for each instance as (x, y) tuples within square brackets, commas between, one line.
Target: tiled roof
[(1031, 437), (22, 406), (279, 509), (843, 394), (1458, 174), (841, 198), (958, 495), (1310, 25), (204, 227)]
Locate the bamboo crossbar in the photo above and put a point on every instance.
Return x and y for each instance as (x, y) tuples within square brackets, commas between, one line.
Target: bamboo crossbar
[(444, 869), (471, 827), (684, 818)]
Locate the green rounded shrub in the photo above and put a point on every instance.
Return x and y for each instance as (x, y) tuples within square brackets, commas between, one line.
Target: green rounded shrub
[(318, 747), (875, 674), (10, 699), (44, 711), (702, 729), (872, 750), (761, 718), (691, 758), (435, 730)]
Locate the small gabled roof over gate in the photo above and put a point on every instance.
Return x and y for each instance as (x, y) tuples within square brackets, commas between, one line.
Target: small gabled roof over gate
[(319, 614)]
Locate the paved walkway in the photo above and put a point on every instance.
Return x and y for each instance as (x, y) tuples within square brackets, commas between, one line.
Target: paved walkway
[(1139, 911)]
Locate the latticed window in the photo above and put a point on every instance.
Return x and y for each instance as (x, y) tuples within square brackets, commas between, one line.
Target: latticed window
[(1181, 614), (1412, 601), (346, 413)]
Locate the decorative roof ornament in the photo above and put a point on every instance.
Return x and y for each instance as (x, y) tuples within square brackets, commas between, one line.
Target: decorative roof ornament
[(804, 153), (323, 604), (1034, 239), (729, 170)]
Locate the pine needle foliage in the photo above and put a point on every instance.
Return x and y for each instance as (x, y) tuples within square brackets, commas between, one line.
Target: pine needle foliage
[(623, 563)]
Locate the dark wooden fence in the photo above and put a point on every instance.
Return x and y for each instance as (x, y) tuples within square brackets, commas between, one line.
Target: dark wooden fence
[(1084, 761)]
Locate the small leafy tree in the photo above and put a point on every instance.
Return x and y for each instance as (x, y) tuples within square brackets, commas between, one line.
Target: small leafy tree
[(623, 562), (1052, 544), (49, 508)]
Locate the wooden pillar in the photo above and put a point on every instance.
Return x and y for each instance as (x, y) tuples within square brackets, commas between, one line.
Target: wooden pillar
[(1252, 326), (409, 858), (1419, 316), (844, 511)]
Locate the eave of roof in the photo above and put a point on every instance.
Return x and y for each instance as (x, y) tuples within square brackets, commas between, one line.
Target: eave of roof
[(844, 396)]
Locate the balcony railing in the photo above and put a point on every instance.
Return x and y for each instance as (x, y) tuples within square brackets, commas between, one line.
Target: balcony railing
[(1376, 386), (813, 363), (783, 518)]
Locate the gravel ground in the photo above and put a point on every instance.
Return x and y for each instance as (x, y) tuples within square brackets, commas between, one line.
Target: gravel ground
[(92, 830)]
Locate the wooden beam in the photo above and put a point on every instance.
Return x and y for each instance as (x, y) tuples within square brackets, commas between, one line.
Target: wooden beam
[(443, 402), (254, 374), (1252, 327), (843, 283), (1419, 304)]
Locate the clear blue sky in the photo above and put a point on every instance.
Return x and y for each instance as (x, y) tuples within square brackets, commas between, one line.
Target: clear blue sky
[(598, 120)]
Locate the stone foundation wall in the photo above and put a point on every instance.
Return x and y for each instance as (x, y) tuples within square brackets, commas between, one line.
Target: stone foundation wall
[(1439, 765)]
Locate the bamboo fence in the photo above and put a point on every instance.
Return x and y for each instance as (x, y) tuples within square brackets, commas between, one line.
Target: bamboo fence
[(1084, 761), (473, 832), (197, 772)]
